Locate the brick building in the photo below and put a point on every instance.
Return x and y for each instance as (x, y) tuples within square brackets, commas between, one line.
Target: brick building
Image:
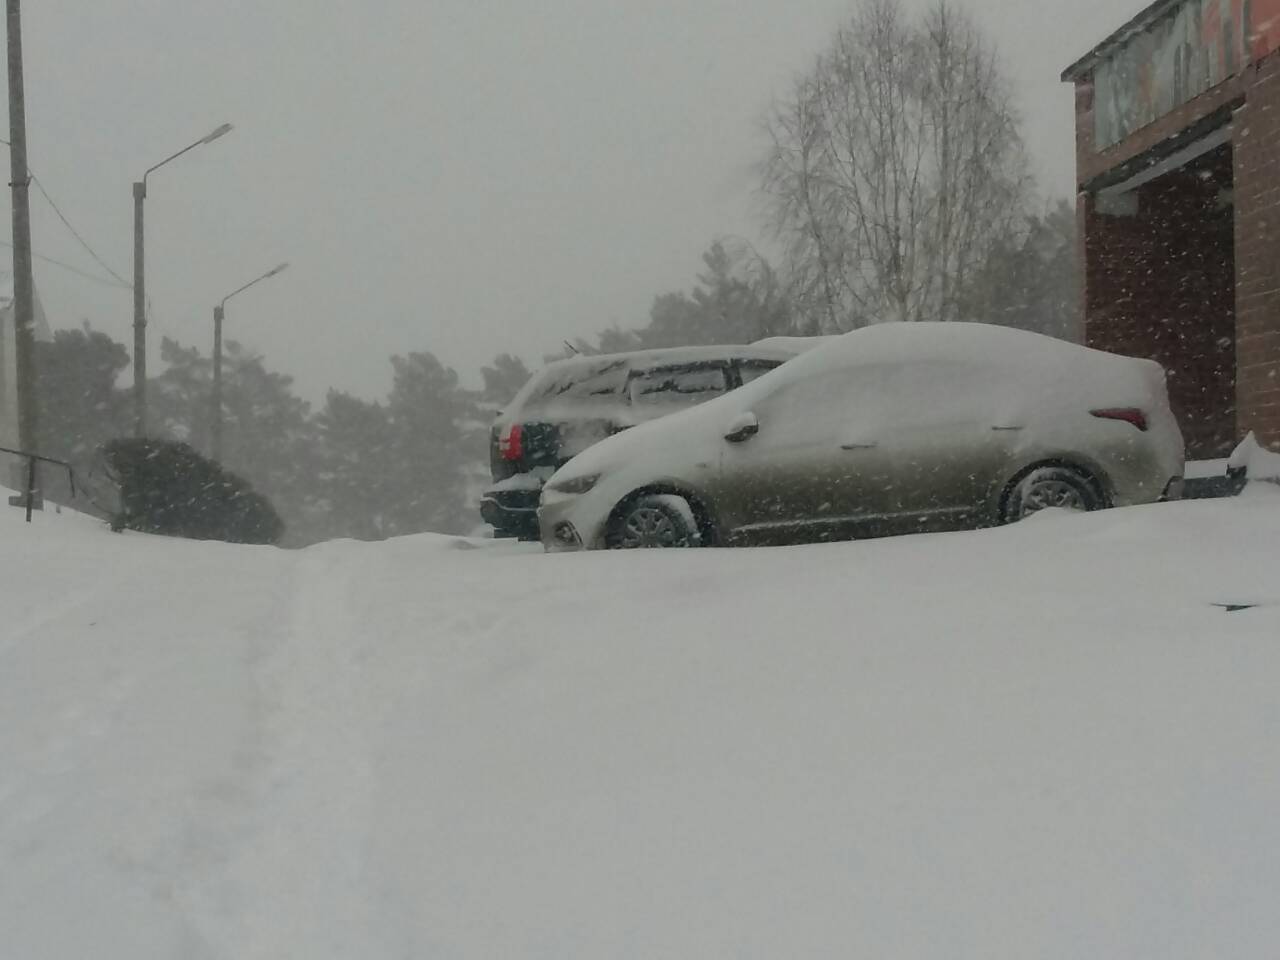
[(1178, 170)]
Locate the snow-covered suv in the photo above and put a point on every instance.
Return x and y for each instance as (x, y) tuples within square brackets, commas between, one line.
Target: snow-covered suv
[(572, 404)]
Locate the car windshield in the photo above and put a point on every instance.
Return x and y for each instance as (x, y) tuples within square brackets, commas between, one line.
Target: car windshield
[(602, 479)]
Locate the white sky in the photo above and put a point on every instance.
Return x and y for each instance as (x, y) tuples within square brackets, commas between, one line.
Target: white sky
[(459, 176)]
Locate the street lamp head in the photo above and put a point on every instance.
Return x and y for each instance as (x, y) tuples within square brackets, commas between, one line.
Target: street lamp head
[(220, 132), (209, 137), (256, 280)]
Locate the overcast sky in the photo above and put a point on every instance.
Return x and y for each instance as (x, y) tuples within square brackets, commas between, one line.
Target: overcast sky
[(460, 176)]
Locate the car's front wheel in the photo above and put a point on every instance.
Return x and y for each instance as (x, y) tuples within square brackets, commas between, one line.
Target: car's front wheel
[(1051, 487), (655, 520)]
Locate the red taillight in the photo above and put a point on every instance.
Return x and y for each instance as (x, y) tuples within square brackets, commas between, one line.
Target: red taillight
[(511, 447), (1128, 414)]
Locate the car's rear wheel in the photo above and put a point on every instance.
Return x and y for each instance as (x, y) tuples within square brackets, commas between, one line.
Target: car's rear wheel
[(1051, 487), (656, 520)]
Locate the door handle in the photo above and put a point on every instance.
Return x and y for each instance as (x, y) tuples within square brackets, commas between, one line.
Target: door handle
[(1008, 429), (857, 446)]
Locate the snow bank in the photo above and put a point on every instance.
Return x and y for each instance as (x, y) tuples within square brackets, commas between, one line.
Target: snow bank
[(1045, 741), (1255, 460)]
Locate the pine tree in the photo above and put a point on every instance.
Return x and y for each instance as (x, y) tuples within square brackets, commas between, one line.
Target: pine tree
[(354, 485), (502, 381), (1032, 281), (81, 406), (267, 431), (430, 415), (738, 299)]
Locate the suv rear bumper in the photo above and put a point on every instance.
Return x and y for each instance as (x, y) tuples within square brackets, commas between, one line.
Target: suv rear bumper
[(511, 511)]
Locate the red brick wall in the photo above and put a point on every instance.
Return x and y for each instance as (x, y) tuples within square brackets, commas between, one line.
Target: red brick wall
[(1159, 285), (1257, 239)]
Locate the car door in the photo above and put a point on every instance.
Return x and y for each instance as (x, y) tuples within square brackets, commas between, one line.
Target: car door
[(942, 441), (812, 470)]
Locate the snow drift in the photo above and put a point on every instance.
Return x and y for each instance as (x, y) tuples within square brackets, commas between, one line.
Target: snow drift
[(1051, 740)]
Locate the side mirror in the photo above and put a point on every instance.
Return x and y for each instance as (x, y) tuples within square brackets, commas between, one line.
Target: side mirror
[(743, 427)]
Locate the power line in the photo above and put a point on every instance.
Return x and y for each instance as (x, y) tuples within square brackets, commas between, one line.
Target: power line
[(75, 233), (75, 270)]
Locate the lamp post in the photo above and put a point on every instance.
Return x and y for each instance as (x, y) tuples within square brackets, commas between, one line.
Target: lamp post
[(219, 312), (139, 284)]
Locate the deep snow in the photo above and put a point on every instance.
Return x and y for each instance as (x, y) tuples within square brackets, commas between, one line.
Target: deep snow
[(1041, 741)]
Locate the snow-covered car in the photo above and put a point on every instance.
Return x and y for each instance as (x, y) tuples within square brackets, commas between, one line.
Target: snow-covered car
[(571, 404), (895, 428), (796, 345)]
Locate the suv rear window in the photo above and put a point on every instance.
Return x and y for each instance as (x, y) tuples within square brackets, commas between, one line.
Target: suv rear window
[(583, 382), (683, 385)]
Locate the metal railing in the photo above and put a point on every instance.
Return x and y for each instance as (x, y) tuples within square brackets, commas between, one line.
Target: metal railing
[(28, 497)]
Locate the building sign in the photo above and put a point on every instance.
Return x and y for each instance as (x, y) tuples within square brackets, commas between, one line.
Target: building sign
[(1178, 57)]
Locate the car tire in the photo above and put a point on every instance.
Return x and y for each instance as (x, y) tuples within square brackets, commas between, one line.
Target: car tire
[(655, 520), (1051, 487)]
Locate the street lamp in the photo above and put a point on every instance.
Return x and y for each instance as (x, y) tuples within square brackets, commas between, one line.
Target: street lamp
[(139, 284), (218, 313)]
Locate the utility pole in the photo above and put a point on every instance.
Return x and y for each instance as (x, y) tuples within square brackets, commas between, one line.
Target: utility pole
[(216, 412), (139, 315), (23, 282)]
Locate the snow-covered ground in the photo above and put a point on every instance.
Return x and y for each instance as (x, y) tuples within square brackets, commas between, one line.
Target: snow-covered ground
[(1043, 741)]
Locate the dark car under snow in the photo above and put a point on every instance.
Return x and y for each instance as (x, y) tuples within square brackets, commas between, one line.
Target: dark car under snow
[(572, 404)]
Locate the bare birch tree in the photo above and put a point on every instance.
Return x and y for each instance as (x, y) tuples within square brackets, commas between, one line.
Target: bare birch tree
[(896, 165)]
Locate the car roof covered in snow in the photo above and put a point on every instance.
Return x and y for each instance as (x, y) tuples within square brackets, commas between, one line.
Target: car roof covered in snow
[(978, 343), (1032, 360), (795, 345)]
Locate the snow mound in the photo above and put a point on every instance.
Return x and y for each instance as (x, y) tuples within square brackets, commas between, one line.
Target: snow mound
[(1257, 462)]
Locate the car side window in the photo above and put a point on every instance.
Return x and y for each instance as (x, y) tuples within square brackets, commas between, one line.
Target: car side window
[(673, 387), (749, 370)]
